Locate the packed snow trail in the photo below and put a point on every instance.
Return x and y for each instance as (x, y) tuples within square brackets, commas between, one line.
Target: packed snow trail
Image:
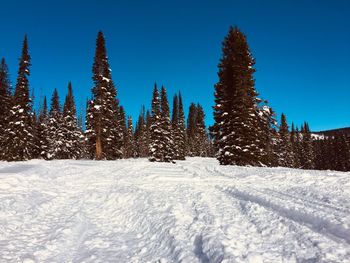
[(191, 211)]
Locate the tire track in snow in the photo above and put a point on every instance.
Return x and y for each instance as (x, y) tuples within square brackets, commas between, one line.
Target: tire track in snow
[(317, 235), (314, 222)]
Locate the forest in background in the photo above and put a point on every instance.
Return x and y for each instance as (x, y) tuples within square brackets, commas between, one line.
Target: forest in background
[(245, 131)]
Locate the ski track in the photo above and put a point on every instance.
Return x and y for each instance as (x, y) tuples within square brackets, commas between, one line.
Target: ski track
[(191, 211)]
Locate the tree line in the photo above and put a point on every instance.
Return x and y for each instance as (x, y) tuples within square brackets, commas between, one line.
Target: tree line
[(245, 131), (56, 133)]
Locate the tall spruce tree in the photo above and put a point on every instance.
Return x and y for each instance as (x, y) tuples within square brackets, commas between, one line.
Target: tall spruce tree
[(5, 104), (294, 140), (56, 134), (201, 138), (236, 128), (182, 131), (72, 135), (268, 135), (129, 142), (89, 134), (175, 128), (156, 143), (42, 131), (19, 135), (123, 124), (142, 134), (167, 137), (105, 133), (191, 130), (285, 147), (307, 148)]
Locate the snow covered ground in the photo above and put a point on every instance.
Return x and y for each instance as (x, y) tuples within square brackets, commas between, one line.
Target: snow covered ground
[(191, 211)]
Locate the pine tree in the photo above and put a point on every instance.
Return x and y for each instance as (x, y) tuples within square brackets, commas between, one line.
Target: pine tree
[(105, 133), (182, 131), (201, 138), (19, 138), (167, 140), (236, 127), (5, 104), (121, 119), (175, 128), (129, 143), (285, 147), (156, 146), (72, 148), (142, 134), (89, 135), (307, 156), (56, 134), (42, 131), (268, 135), (295, 147), (191, 130), (299, 147), (147, 133), (342, 152)]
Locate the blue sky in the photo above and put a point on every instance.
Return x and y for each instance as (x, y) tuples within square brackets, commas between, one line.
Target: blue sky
[(301, 49)]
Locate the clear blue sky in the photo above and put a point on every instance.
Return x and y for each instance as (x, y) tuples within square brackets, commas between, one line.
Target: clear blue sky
[(301, 49)]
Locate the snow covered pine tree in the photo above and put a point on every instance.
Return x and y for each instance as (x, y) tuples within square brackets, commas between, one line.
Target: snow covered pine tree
[(42, 131), (236, 127), (161, 142), (155, 147), (55, 129), (285, 150), (5, 104), (19, 138), (72, 134), (104, 131)]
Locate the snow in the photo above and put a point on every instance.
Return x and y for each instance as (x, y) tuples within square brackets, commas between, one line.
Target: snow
[(318, 136), (106, 79), (192, 211)]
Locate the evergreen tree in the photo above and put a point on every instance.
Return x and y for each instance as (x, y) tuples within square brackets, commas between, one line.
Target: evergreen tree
[(175, 128), (299, 148), (129, 144), (201, 139), (90, 135), (142, 135), (72, 148), (294, 139), (307, 157), (268, 135), (285, 147), (191, 130), (105, 133), (167, 140), (182, 131), (342, 153), (156, 146), (236, 128), (147, 133), (56, 134), (5, 104), (42, 131), (19, 135)]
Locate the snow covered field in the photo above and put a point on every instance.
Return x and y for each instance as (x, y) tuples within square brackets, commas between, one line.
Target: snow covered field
[(192, 211)]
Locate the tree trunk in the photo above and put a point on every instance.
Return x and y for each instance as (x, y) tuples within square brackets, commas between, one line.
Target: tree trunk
[(98, 145)]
